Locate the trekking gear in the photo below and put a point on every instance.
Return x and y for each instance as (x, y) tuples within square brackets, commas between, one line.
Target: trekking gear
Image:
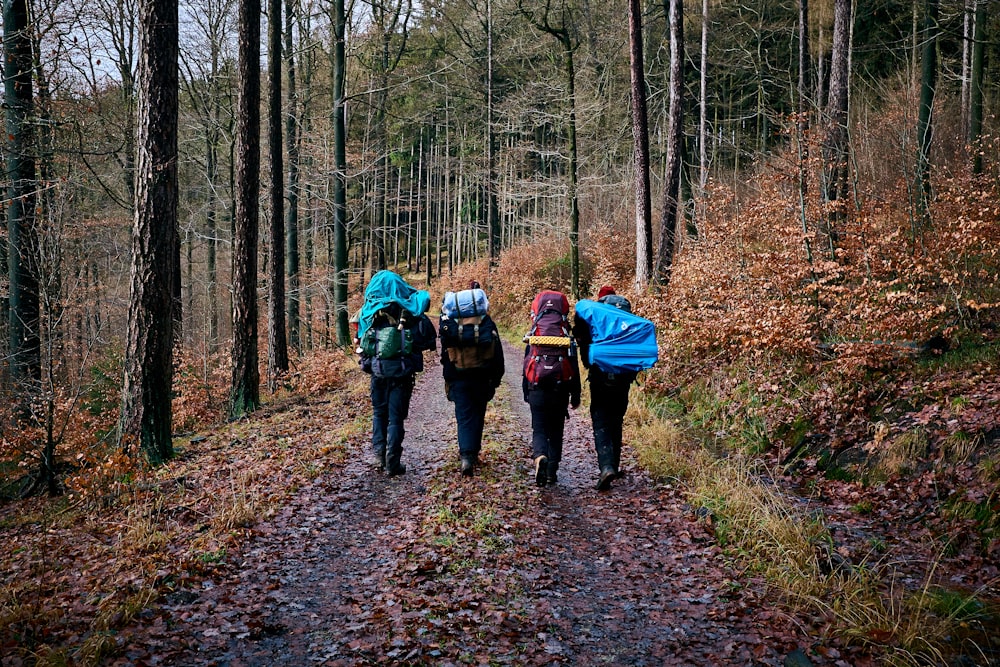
[(616, 300), (607, 475), (620, 341), (389, 343), (466, 303), (541, 470), (552, 473), (550, 346), (399, 469), (468, 335), (387, 288), (468, 465)]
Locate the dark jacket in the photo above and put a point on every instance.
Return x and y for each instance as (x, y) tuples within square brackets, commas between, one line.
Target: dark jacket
[(491, 374)]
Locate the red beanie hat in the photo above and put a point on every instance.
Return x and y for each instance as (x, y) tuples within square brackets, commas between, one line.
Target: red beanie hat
[(604, 291)]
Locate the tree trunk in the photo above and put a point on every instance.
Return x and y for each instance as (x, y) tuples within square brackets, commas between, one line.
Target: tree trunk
[(292, 139), (22, 234), (146, 392), (640, 151), (491, 146), (928, 83), (277, 342), (675, 148), (340, 176), (976, 89), (245, 395), (835, 142)]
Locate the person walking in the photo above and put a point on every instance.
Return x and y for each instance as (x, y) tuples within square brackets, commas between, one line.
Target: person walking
[(472, 364), (608, 395), (550, 381), (393, 333)]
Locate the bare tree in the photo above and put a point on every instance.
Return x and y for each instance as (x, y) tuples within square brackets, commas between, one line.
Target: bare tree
[(928, 84), (675, 148), (146, 392), (339, 70), (277, 342), (640, 139), (245, 392), (835, 140), (976, 92), (559, 23)]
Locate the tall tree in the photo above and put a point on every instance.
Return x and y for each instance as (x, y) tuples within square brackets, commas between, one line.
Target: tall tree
[(640, 150), (146, 392), (491, 144), (245, 392), (835, 140), (22, 233), (339, 69), (928, 84), (293, 136), (976, 81), (277, 342), (559, 23), (675, 147)]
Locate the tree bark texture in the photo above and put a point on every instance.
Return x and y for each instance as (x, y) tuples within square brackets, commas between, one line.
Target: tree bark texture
[(340, 175), (675, 148), (245, 392), (835, 142), (928, 84), (22, 234), (146, 393), (976, 87), (640, 151), (292, 138), (277, 342)]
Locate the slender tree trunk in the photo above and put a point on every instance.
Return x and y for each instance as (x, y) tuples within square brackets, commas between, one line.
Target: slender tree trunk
[(928, 83), (976, 90), (675, 148), (640, 150), (22, 233), (835, 142), (491, 146), (340, 176), (245, 396), (292, 140), (802, 122), (703, 96), (277, 342), (146, 391), (574, 203)]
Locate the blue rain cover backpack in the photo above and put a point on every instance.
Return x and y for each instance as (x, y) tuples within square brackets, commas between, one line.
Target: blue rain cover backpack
[(621, 341)]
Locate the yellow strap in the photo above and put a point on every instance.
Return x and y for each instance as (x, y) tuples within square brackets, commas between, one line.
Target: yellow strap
[(561, 341)]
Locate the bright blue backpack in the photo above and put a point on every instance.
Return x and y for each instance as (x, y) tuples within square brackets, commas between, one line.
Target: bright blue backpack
[(620, 341)]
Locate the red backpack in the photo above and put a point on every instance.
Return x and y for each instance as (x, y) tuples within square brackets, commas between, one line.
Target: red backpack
[(550, 346)]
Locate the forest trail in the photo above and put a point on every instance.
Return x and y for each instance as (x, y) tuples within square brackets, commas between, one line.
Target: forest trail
[(433, 568)]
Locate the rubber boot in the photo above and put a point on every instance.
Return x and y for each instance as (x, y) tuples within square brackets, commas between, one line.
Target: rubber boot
[(392, 465), (541, 470), (468, 465), (605, 460), (552, 473)]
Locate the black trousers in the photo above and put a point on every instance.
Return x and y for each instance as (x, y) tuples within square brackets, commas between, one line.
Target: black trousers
[(608, 404), (549, 410), (471, 398), (390, 408)]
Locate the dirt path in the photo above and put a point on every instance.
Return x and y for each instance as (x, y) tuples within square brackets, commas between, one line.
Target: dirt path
[(432, 568)]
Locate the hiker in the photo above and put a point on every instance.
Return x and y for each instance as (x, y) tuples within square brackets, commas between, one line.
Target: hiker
[(393, 333), (472, 364), (631, 341), (550, 381)]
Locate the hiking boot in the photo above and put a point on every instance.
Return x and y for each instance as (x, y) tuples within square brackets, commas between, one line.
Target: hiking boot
[(378, 459), (468, 466), (541, 470), (400, 469), (604, 482), (552, 472)]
